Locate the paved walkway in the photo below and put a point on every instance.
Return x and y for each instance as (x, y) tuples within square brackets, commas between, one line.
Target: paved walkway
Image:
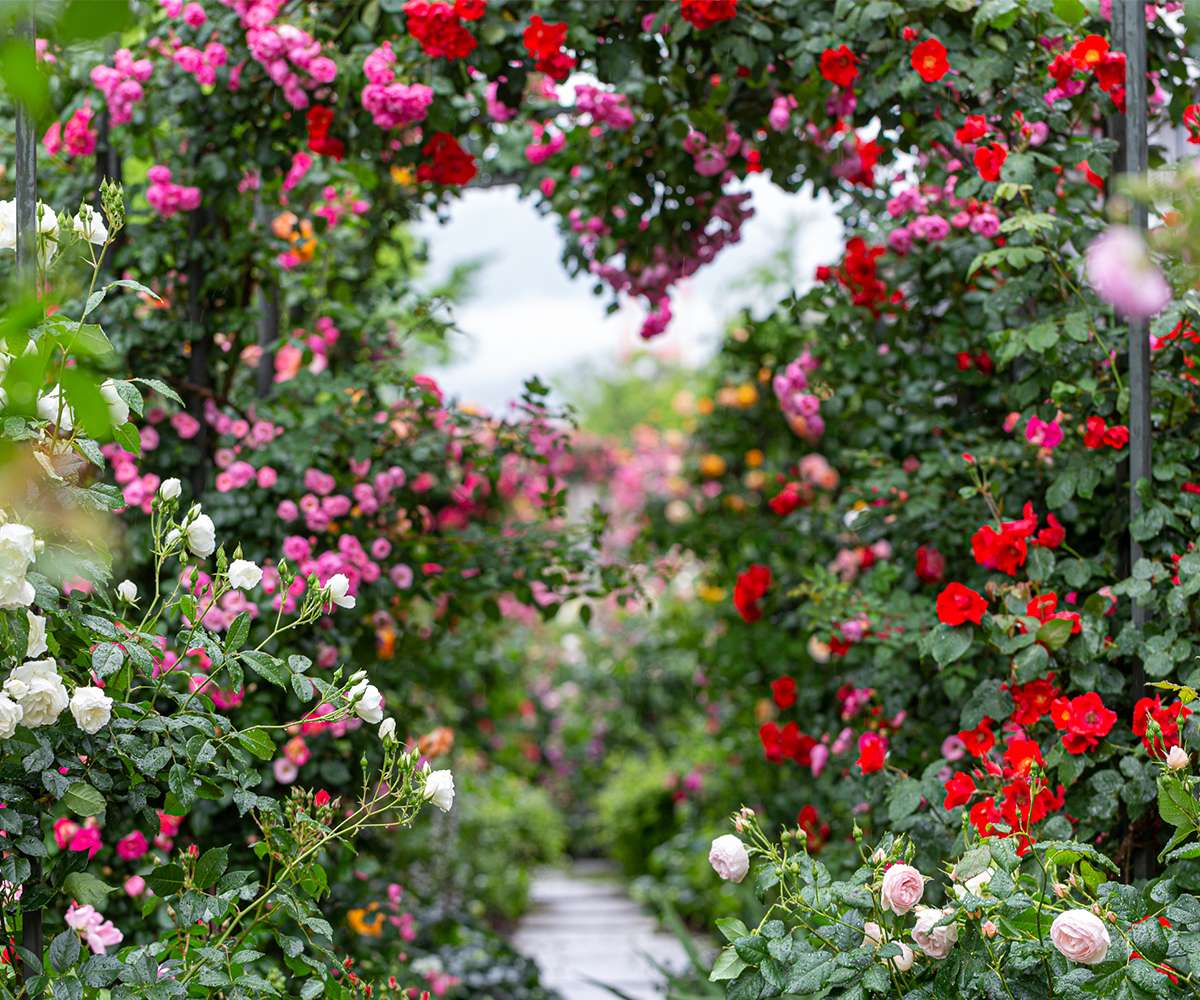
[(582, 929)]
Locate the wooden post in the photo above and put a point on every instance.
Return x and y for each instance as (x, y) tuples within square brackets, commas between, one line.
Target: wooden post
[(25, 169), (1129, 36)]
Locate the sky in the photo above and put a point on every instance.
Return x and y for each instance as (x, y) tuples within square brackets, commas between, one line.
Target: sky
[(525, 316)]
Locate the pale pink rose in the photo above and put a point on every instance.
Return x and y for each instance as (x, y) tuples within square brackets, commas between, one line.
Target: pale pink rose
[(902, 889), (728, 858), (1080, 936), (936, 942)]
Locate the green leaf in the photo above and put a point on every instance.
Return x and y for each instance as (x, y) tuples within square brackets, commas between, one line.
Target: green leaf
[(268, 667), (211, 866), (239, 631), (1055, 633), (83, 800), (166, 880), (64, 950), (904, 799), (107, 659), (86, 889), (948, 643), (258, 742), (731, 928), (1071, 11), (727, 966)]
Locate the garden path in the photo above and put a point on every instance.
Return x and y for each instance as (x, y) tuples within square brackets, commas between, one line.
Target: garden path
[(583, 930)]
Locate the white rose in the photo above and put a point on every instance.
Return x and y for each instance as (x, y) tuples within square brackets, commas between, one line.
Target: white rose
[(369, 705), (118, 409), (10, 717), (92, 709), (728, 858), (201, 536), (47, 226), (1081, 936), (872, 933), (37, 635), (48, 406), (244, 575), (38, 689), (387, 729), (17, 551), (170, 489), (439, 789), (8, 225), (936, 942), (90, 226), (338, 589), (975, 886), (127, 591), (1177, 759)]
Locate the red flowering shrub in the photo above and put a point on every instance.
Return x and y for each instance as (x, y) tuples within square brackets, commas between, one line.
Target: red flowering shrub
[(989, 160), (958, 604), (437, 25), (751, 587)]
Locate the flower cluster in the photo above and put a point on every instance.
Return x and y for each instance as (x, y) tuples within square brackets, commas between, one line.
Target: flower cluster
[(801, 407), (166, 197), (392, 104), (121, 84)]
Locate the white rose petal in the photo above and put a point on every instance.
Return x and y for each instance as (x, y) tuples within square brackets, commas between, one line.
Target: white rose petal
[(90, 225), (92, 709), (170, 489), (10, 717), (53, 408), (338, 589), (8, 225), (127, 591), (201, 536), (118, 409), (17, 551), (387, 729), (38, 689), (369, 705), (439, 789), (37, 635), (1177, 759), (244, 575)]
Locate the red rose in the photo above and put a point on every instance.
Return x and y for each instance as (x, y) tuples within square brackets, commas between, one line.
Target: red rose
[(470, 10), (872, 752), (839, 66), (1033, 700), (959, 790), (783, 690), (1110, 71), (438, 27), (451, 163), (931, 564), (979, 740), (929, 60), (788, 499), (974, 128), (1022, 754), (1004, 550), (1087, 53), (749, 589), (989, 160), (957, 604), (1191, 121), (1062, 68), (1054, 535), (1093, 435), (543, 40), (1117, 436), (703, 14)]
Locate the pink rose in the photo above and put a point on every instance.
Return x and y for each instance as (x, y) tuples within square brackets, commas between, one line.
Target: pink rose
[(903, 887), (935, 941), (728, 858), (1081, 936)]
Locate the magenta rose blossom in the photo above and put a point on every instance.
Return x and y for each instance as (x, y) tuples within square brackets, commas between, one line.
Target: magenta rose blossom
[(1120, 270), (1081, 936), (902, 889)]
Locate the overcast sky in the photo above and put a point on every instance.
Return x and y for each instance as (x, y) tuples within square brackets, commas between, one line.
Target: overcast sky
[(526, 317)]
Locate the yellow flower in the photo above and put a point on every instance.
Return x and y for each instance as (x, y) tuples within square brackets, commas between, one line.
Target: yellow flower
[(712, 466), (754, 458), (747, 394)]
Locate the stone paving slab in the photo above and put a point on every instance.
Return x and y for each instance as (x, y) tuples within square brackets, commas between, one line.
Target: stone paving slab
[(582, 927)]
